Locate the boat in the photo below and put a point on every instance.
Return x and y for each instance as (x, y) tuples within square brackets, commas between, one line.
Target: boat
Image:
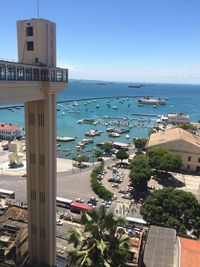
[(97, 106), (114, 107), (75, 103), (127, 136), (152, 101), (92, 133), (140, 105), (101, 83), (65, 138), (113, 134), (136, 85)]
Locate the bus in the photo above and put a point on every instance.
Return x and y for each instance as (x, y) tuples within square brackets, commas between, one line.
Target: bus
[(79, 207), (137, 222), (7, 193), (63, 202)]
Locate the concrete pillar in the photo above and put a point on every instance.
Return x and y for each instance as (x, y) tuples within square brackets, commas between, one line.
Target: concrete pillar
[(40, 117)]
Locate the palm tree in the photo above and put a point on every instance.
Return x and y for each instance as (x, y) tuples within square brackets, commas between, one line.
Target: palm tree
[(98, 244)]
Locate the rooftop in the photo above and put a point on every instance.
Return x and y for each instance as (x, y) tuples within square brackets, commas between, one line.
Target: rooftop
[(190, 253), (8, 127), (160, 247), (173, 135)]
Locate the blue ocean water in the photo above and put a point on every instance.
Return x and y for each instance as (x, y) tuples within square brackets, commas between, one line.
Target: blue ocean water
[(180, 98)]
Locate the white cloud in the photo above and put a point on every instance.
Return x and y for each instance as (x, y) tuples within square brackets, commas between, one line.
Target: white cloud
[(119, 72)]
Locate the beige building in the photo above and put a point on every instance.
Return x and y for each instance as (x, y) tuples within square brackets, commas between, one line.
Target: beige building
[(35, 80), (180, 142)]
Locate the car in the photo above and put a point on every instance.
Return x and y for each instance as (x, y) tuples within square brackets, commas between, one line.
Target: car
[(59, 222), (115, 185), (126, 196), (114, 198), (79, 200)]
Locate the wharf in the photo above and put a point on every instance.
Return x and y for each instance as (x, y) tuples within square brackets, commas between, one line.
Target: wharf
[(147, 115)]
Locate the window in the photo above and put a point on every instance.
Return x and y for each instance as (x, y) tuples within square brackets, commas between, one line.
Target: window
[(30, 46), (29, 31), (36, 60), (2, 72), (59, 76), (20, 73), (65, 76), (36, 74), (198, 159), (10, 72), (44, 75), (188, 167), (53, 75), (189, 158), (28, 74)]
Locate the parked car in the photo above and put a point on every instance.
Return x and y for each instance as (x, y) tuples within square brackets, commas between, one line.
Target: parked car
[(59, 222), (115, 185), (127, 196), (114, 197), (79, 200)]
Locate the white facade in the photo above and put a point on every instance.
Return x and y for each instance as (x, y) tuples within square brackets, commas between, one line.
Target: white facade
[(175, 118)]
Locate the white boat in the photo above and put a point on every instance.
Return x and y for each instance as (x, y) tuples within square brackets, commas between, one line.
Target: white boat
[(114, 135), (97, 106), (75, 103), (114, 107), (152, 101), (127, 136), (65, 138)]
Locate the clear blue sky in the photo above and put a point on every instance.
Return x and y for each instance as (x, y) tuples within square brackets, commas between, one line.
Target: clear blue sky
[(122, 40)]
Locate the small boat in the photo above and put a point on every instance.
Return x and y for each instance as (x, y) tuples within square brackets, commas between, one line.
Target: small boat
[(127, 136), (97, 106), (75, 103), (114, 107), (113, 134), (65, 138)]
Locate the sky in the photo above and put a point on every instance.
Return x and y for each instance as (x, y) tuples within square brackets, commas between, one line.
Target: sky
[(115, 40)]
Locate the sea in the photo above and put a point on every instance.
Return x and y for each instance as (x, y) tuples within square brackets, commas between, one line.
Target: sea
[(111, 102)]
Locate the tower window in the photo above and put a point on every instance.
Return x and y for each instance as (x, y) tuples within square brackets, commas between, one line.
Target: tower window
[(29, 31), (30, 46)]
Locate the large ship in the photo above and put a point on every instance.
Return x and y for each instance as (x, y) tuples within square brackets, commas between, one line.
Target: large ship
[(152, 101)]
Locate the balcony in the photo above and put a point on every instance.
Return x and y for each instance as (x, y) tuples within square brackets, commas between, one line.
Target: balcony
[(23, 82), (10, 71)]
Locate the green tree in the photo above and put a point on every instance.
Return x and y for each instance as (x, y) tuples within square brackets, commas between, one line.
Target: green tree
[(121, 154), (140, 172), (107, 147), (98, 244), (140, 143), (80, 159), (161, 158), (175, 208), (98, 153), (187, 126)]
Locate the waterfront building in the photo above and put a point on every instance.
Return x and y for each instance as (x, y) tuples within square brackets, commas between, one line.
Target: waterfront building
[(180, 142), (10, 132), (35, 80), (175, 118)]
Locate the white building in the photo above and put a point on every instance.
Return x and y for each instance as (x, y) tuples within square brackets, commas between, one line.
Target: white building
[(10, 132), (175, 118)]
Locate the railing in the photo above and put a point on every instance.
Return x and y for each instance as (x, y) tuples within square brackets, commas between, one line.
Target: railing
[(10, 71)]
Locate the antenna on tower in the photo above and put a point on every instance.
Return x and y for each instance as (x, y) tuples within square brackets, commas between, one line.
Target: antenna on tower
[(38, 9)]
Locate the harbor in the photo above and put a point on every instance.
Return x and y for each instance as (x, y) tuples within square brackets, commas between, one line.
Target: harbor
[(103, 113)]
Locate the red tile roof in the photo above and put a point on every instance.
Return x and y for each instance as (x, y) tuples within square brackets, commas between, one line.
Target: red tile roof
[(190, 253), (8, 127)]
